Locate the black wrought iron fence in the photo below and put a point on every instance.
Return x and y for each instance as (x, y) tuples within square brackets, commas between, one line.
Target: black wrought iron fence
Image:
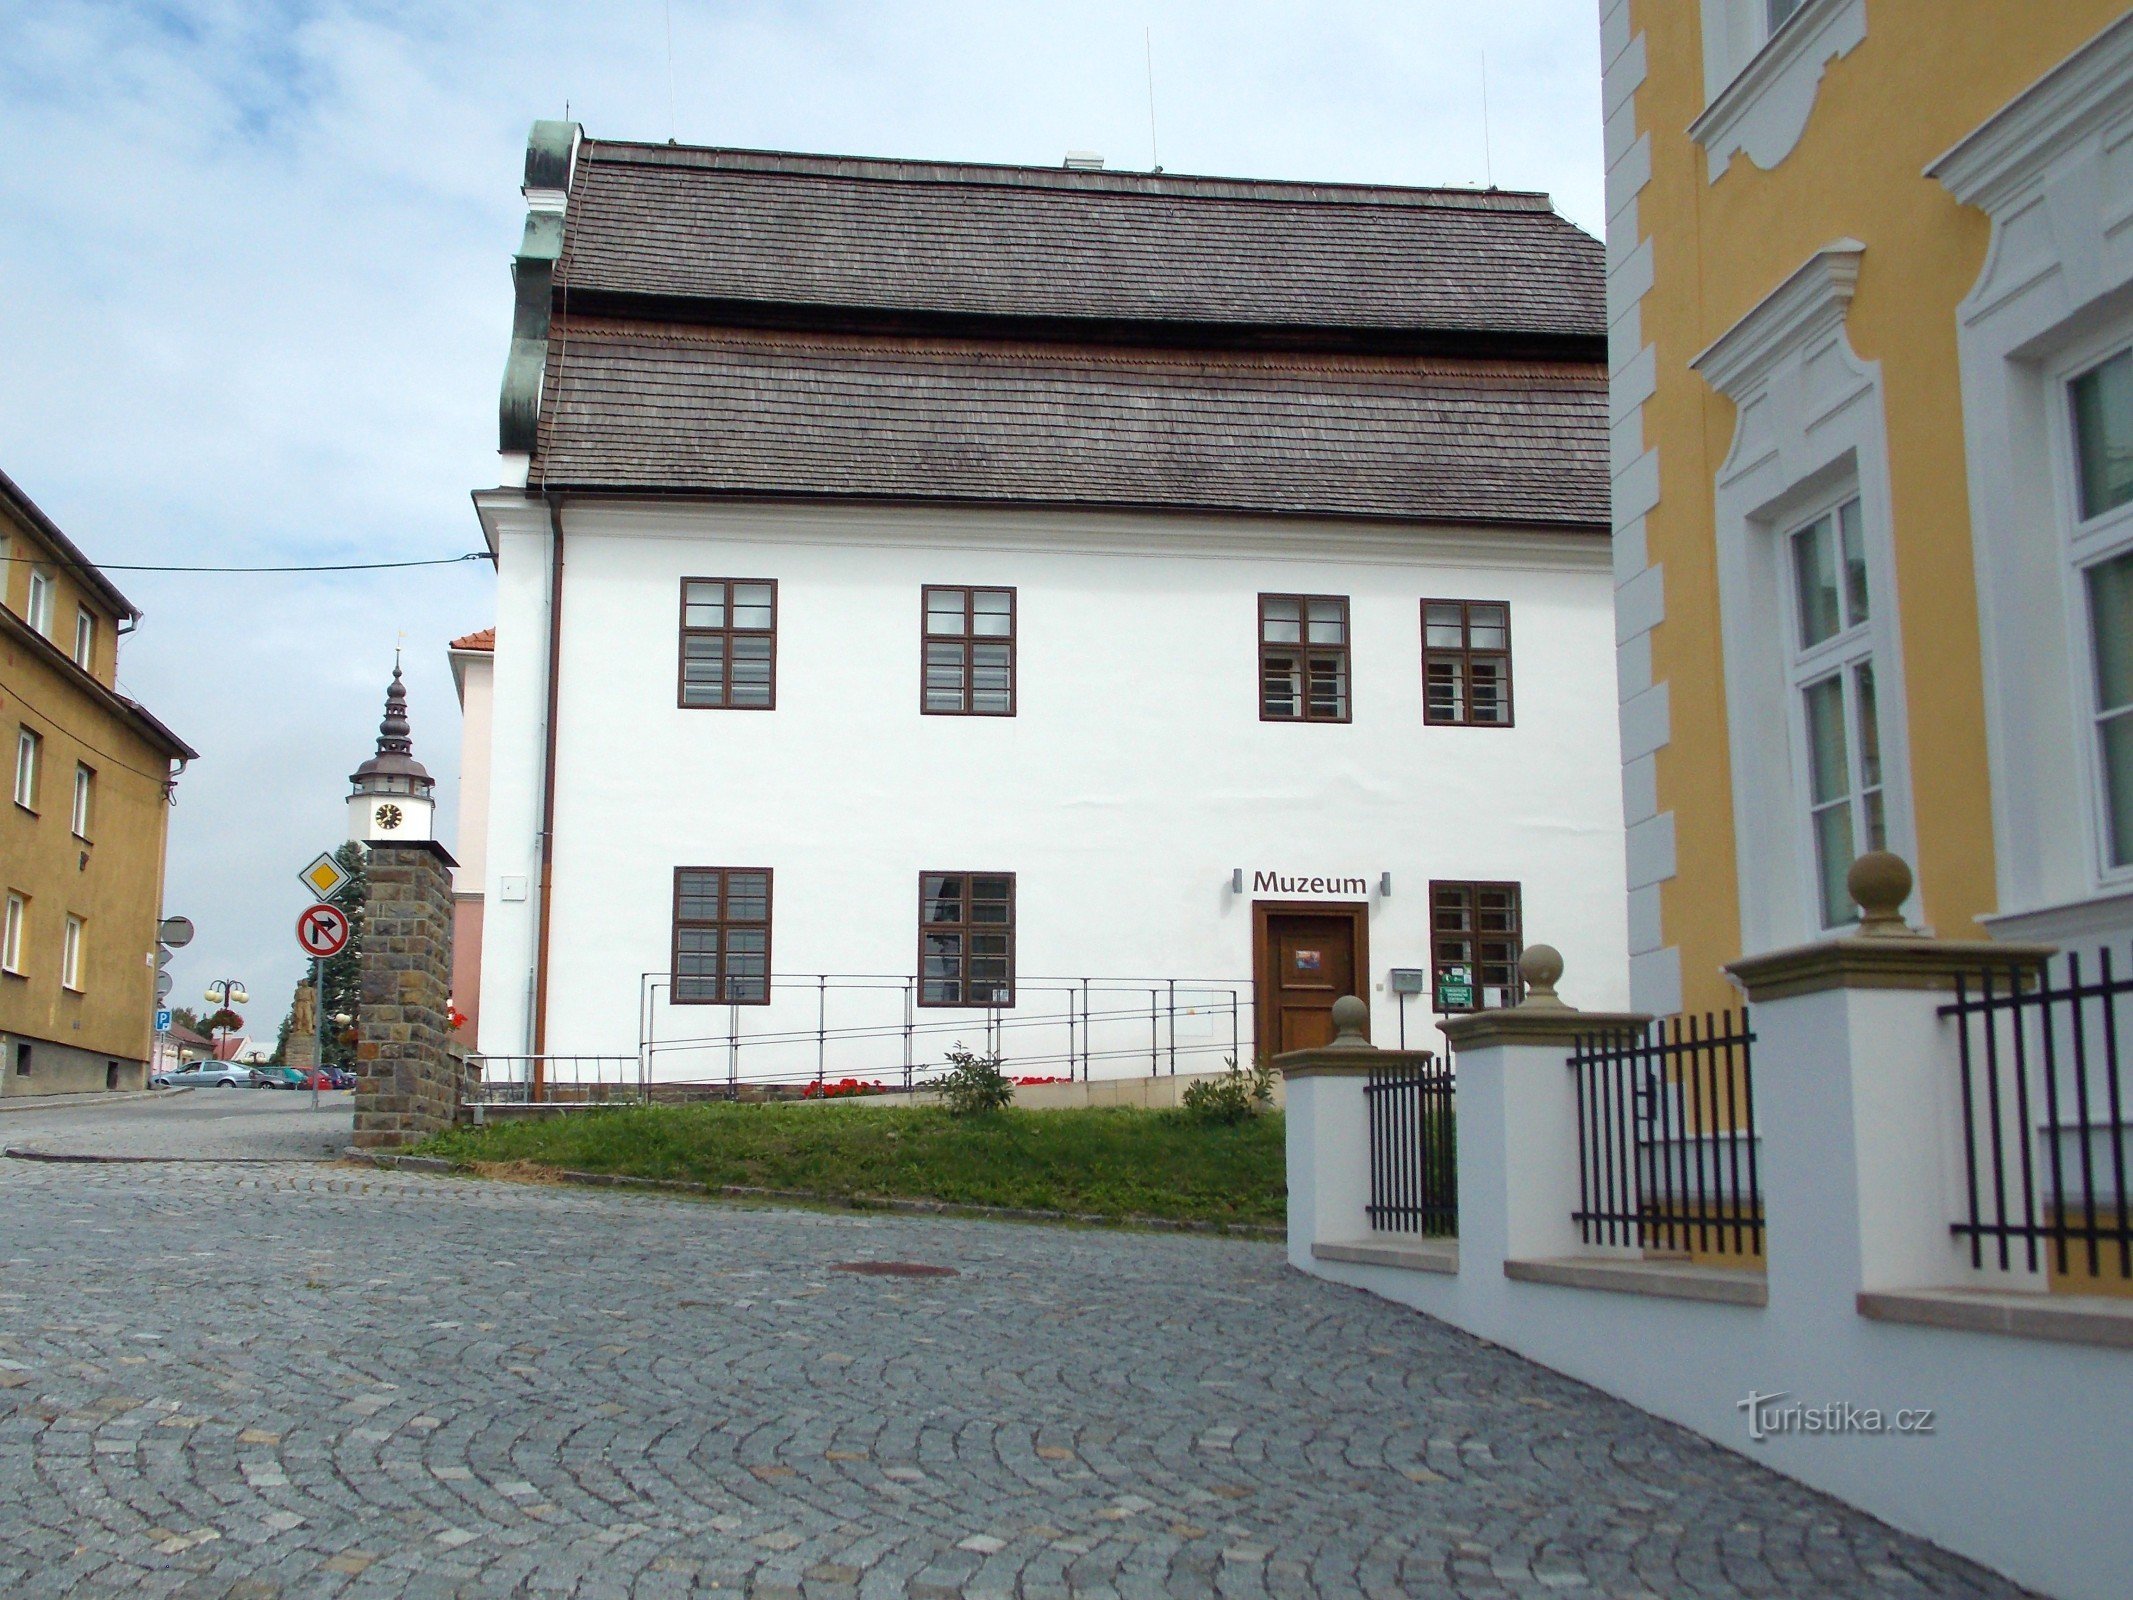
[(1414, 1158), (2044, 1134), (1667, 1145)]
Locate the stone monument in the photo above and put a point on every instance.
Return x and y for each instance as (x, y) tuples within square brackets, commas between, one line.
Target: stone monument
[(302, 1049), (407, 1082)]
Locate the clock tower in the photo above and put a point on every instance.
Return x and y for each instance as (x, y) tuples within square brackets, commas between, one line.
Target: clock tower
[(391, 801)]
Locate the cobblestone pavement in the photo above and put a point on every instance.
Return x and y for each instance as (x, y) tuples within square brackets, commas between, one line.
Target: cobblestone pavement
[(548, 1392), (198, 1124)]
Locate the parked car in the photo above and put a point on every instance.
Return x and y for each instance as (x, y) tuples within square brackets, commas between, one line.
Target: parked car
[(342, 1077), (279, 1077), (205, 1074)]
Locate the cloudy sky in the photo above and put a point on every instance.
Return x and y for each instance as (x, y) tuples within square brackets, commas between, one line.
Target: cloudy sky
[(254, 293)]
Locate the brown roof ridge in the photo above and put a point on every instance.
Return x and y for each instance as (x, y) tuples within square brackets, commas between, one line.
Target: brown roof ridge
[(70, 553), (1120, 181), (482, 639), (1049, 352)]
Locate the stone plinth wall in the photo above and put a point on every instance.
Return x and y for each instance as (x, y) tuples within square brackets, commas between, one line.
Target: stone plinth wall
[(407, 1081)]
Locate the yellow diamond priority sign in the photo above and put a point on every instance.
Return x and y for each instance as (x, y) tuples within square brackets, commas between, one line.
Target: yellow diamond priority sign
[(324, 877)]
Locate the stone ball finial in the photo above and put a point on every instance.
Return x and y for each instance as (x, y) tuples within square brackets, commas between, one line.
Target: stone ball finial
[(1542, 968), (1350, 1020), (1880, 881)]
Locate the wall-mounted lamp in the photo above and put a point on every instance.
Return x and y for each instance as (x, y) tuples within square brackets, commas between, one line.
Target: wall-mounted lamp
[(1385, 886), (1236, 880)]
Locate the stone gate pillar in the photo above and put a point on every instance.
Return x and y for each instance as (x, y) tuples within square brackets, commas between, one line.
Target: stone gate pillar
[(407, 1083)]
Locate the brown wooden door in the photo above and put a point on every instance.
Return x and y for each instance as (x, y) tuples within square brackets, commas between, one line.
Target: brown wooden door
[(1307, 960)]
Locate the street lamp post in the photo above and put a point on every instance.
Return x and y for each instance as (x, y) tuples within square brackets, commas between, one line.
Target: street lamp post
[(224, 993)]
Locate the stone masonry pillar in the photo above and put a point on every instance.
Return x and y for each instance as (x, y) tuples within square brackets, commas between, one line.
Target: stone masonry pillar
[(407, 1082)]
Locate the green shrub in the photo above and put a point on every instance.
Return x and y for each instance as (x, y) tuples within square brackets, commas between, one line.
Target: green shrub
[(973, 1084), (1234, 1097)]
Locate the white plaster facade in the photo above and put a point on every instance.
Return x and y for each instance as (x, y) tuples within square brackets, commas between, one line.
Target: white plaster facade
[(1644, 712), (1135, 778)]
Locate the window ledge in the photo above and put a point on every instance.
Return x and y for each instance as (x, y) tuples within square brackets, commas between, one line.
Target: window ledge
[(1764, 110), (2105, 1320), (1408, 1255), (1667, 1280)]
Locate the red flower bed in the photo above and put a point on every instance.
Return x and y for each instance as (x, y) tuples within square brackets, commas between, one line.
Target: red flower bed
[(841, 1088)]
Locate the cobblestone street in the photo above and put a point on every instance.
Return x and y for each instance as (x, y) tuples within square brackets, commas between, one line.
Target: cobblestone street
[(255, 1382)]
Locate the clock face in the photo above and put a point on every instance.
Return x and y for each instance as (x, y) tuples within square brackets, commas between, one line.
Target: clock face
[(388, 816)]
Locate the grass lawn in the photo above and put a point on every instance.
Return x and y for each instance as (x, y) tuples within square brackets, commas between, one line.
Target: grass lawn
[(1109, 1162)]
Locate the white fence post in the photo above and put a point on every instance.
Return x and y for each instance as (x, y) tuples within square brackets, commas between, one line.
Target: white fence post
[(1858, 1099), (1328, 1133), (1518, 1119)]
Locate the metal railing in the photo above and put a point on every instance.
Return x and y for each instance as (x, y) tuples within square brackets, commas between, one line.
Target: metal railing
[(556, 1080), (1667, 1144), (820, 1028), (2044, 1134), (1414, 1158)]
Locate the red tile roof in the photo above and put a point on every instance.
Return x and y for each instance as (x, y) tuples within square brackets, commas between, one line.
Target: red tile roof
[(484, 640)]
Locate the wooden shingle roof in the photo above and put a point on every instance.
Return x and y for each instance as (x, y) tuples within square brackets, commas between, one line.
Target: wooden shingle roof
[(736, 323), (744, 227)]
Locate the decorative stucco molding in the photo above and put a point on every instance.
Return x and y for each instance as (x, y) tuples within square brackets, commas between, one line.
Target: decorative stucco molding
[(1991, 167), (2053, 169), (1809, 431), (1803, 310), (1640, 592), (1764, 110)]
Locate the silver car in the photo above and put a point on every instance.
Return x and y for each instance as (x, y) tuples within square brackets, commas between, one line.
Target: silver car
[(201, 1074)]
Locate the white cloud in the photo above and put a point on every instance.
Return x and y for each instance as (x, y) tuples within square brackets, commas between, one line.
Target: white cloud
[(254, 295)]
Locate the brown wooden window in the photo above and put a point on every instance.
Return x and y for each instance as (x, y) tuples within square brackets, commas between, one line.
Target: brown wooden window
[(1476, 939), (1466, 663), (969, 653), (1303, 658), (729, 643), (721, 936), (966, 939)]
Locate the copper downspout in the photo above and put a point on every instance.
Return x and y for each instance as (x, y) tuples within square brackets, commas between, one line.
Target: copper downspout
[(555, 682)]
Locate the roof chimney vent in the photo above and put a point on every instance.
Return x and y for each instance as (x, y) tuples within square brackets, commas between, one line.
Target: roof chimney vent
[(1084, 161)]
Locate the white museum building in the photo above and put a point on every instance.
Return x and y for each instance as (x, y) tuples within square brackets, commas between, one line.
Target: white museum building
[(1107, 614)]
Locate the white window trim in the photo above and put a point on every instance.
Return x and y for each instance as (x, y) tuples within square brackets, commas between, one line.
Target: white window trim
[(84, 801), (1809, 434), (12, 933), (2054, 171), (1837, 656), (84, 638), (29, 759), (70, 955), (39, 610), (1760, 86)]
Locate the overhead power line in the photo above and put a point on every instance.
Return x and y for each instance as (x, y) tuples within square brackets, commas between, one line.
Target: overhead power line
[(334, 566)]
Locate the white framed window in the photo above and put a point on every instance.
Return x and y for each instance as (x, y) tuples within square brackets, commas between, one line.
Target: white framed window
[(39, 615), (1763, 62), (1830, 669), (2099, 459), (70, 955), (2039, 335), (84, 638), (13, 933), (29, 756), (84, 798)]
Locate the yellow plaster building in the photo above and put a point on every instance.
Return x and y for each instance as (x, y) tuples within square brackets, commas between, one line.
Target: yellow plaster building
[(1870, 297), (82, 835)]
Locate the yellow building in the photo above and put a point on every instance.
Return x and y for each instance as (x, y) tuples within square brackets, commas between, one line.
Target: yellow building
[(82, 839), (1871, 329)]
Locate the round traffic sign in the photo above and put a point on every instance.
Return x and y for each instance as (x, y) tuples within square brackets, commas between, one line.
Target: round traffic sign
[(322, 930)]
